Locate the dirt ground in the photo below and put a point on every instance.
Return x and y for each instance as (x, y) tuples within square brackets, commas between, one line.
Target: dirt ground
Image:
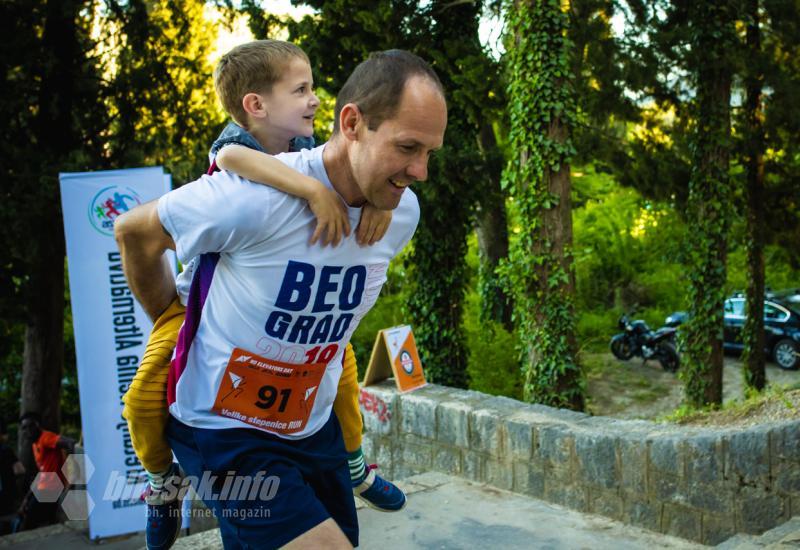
[(629, 389)]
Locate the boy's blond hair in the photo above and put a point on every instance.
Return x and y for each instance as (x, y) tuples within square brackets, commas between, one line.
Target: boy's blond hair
[(253, 67)]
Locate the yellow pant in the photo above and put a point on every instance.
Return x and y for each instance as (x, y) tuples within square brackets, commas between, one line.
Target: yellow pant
[(146, 399)]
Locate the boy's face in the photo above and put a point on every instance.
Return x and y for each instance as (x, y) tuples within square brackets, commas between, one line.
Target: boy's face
[(390, 158), (291, 104)]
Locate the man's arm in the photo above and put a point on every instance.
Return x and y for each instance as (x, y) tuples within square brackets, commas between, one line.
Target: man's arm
[(142, 242)]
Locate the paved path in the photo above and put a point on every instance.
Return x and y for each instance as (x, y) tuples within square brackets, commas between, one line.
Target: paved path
[(443, 512)]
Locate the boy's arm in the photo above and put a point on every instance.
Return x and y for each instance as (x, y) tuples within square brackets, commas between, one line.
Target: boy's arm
[(265, 169), (142, 242), (373, 225)]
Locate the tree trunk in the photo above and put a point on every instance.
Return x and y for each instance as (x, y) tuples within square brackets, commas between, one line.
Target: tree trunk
[(709, 202), (55, 133), (556, 242), (44, 345), (492, 231), (542, 111), (753, 332)]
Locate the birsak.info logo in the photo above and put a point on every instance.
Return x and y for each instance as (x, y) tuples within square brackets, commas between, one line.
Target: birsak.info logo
[(109, 203)]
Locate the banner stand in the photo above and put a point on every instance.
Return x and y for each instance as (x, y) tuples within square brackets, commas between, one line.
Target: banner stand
[(111, 332)]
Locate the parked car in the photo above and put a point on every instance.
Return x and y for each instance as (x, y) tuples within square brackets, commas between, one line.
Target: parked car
[(789, 296), (781, 327), (781, 330)]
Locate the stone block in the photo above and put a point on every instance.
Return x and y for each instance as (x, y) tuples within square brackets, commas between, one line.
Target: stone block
[(528, 478), (785, 440), (786, 478), (665, 455), (416, 451), (418, 415), (633, 465), (597, 459), (716, 529), (486, 432), (380, 450), (757, 511), (555, 444), (717, 499), (378, 409), (447, 459), (747, 457), (472, 465), (681, 521), (452, 423), (664, 486), (519, 430), (640, 512), (563, 415), (703, 455), (404, 470), (571, 496), (386, 455), (369, 445), (499, 474), (605, 502)]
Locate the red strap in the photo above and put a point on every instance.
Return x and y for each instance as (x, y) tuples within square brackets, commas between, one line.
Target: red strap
[(213, 168)]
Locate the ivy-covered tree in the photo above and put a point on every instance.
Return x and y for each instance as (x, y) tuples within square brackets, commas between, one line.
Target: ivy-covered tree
[(712, 40), (539, 269), (753, 115)]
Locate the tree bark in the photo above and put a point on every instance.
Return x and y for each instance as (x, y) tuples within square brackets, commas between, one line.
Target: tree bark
[(753, 332)]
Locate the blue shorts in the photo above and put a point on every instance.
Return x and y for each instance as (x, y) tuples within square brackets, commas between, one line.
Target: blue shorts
[(291, 486)]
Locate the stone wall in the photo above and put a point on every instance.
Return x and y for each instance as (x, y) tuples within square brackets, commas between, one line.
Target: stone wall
[(702, 484)]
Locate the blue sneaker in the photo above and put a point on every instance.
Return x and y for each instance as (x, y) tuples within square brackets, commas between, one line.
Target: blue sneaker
[(163, 516), (378, 493)]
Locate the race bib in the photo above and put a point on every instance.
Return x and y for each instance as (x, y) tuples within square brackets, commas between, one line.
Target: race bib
[(274, 396)]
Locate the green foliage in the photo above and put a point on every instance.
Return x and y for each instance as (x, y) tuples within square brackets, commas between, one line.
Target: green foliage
[(493, 365), (541, 111), (162, 100)]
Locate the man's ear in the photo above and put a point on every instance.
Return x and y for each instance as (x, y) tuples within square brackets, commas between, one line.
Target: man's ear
[(350, 121), (254, 105)]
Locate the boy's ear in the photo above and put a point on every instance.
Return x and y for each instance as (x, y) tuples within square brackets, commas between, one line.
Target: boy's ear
[(350, 121), (254, 105)]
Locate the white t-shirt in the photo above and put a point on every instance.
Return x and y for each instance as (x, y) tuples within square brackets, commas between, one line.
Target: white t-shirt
[(271, 293)]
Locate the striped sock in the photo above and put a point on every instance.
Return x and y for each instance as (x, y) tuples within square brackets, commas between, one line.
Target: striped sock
[(358, 468), (157, 479)]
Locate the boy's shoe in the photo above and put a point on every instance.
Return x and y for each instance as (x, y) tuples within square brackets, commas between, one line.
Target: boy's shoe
[(379, 493), (163, 518)]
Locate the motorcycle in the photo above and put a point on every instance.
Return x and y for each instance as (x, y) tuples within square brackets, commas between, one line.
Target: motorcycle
[(640, 341)]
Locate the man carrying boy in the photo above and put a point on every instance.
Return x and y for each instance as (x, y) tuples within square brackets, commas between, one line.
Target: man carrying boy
[(280, 116), (270, 316)]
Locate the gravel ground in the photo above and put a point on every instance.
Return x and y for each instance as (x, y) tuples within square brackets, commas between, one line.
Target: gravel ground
[(630, 389)]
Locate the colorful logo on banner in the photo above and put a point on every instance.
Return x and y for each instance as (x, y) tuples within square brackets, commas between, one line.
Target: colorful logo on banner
[(109, 203)]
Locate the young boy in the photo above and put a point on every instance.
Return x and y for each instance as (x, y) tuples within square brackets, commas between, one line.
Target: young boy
[(266, 87)]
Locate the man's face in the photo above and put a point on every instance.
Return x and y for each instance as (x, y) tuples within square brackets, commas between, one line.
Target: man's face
[(387, 160), (291, 104)]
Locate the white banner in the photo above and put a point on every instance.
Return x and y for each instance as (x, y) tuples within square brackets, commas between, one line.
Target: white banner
[(111, 332)]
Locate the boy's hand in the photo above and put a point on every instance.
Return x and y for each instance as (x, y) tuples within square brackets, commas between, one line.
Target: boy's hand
[(373, 225), (332, 222)]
